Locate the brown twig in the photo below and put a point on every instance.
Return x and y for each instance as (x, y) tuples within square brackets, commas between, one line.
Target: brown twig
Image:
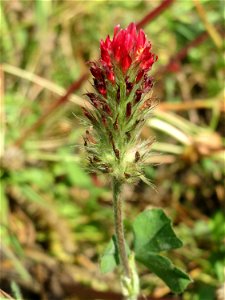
[(5, 295), (154, 13), (76, 85), (173, 64), (194, 43), (195, 104), (2, 114), (210, 28)]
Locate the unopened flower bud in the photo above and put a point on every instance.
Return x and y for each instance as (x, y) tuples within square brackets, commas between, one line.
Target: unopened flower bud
[(128, 110)]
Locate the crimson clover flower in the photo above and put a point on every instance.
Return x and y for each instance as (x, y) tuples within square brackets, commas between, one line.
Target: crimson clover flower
[(126, 48), (120, 104)]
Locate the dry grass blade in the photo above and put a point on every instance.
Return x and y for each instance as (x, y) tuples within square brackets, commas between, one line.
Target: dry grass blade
[(195, 104), (2, 114), (209, 27), (5, 295), (49, 85), (50, 110)]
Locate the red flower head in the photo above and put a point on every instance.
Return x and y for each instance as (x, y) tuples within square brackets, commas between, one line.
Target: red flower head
[(128, 48)]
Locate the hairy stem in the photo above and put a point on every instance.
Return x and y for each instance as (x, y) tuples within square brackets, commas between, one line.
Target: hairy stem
[(119, 230)]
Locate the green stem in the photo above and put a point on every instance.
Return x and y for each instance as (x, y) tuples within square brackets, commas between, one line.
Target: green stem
[(129, 278), (119, 230)]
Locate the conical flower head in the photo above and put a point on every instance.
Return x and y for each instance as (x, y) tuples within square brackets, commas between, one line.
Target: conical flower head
[(128, 47), (120, 106)]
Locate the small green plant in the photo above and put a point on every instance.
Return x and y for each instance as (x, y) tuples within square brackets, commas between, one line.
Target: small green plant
[(120, 107)]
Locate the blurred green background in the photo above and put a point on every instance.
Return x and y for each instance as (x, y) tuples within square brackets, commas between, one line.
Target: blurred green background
[(55, 217)]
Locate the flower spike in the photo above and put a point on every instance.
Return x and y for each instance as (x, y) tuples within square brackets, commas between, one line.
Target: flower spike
[(121, 82)]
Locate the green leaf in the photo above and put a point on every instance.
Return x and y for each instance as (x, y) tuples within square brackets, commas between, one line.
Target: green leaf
[(176, 279), (110, 257), (153, 232)]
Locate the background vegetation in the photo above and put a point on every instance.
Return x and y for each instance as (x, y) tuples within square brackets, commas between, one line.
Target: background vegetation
[(55, 217)]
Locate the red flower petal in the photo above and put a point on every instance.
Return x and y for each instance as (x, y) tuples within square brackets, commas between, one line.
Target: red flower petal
[(128, 42), (107, 42), (141, 39), (116, 30), (110, 75), (132, 30), (118, 54), (139, 76), (126, 62)]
